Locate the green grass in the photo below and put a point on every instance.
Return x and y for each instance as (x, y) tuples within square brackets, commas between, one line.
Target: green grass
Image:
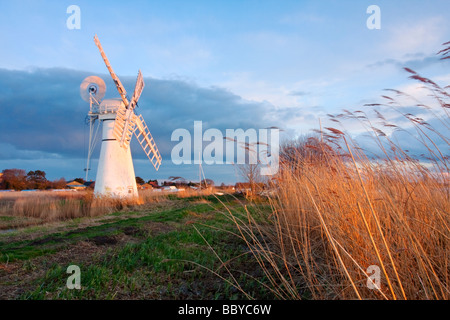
[(31, 248), (169, 257), (6, 218)]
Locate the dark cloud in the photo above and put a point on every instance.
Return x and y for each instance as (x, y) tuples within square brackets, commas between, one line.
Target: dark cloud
[(40, 111), (43, 113)]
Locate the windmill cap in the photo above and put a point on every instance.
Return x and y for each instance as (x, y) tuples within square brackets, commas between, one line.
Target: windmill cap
[(110, 105), (107, 106)]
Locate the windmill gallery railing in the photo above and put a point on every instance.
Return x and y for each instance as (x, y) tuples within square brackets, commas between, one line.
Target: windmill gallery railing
[(104, 108)]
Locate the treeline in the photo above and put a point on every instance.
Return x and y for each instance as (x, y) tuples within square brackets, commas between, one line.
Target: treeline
[(19, 179), (178, 182)]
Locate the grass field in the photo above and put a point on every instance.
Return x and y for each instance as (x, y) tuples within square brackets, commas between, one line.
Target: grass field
[(173, 248)]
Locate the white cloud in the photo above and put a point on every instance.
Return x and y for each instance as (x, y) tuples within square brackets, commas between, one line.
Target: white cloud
[(415, 93), (416, 36), (249, 87)]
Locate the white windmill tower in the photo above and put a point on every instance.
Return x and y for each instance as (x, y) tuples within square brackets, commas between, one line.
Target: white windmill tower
[(115, 172)]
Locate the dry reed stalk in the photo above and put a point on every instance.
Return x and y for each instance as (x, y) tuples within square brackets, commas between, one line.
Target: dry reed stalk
[(374, 215), (320, 238)]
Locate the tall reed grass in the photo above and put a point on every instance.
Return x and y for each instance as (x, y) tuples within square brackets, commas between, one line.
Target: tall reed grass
[(333, 222), (339, 216), (53, 206)]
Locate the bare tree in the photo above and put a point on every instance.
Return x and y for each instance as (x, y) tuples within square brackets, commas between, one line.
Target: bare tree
[(251, 174)]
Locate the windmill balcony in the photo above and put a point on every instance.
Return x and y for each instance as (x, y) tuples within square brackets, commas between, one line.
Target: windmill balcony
[(106, 106)]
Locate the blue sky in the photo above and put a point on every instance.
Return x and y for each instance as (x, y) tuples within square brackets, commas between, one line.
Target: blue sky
[(230, 64)]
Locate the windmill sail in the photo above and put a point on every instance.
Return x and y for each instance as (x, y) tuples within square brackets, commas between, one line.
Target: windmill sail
[(126, 119), (120, 87), (147, 142), (137, 90), (124, 126)]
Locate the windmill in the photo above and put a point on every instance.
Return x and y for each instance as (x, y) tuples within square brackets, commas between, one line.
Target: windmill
[(115, 172)]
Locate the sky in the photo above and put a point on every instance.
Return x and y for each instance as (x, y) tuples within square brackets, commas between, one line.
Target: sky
[(230, 64)]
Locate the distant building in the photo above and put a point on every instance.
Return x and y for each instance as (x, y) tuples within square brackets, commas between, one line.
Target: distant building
[(172, 189), (169, 188), (75, 185), (145, 186)]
